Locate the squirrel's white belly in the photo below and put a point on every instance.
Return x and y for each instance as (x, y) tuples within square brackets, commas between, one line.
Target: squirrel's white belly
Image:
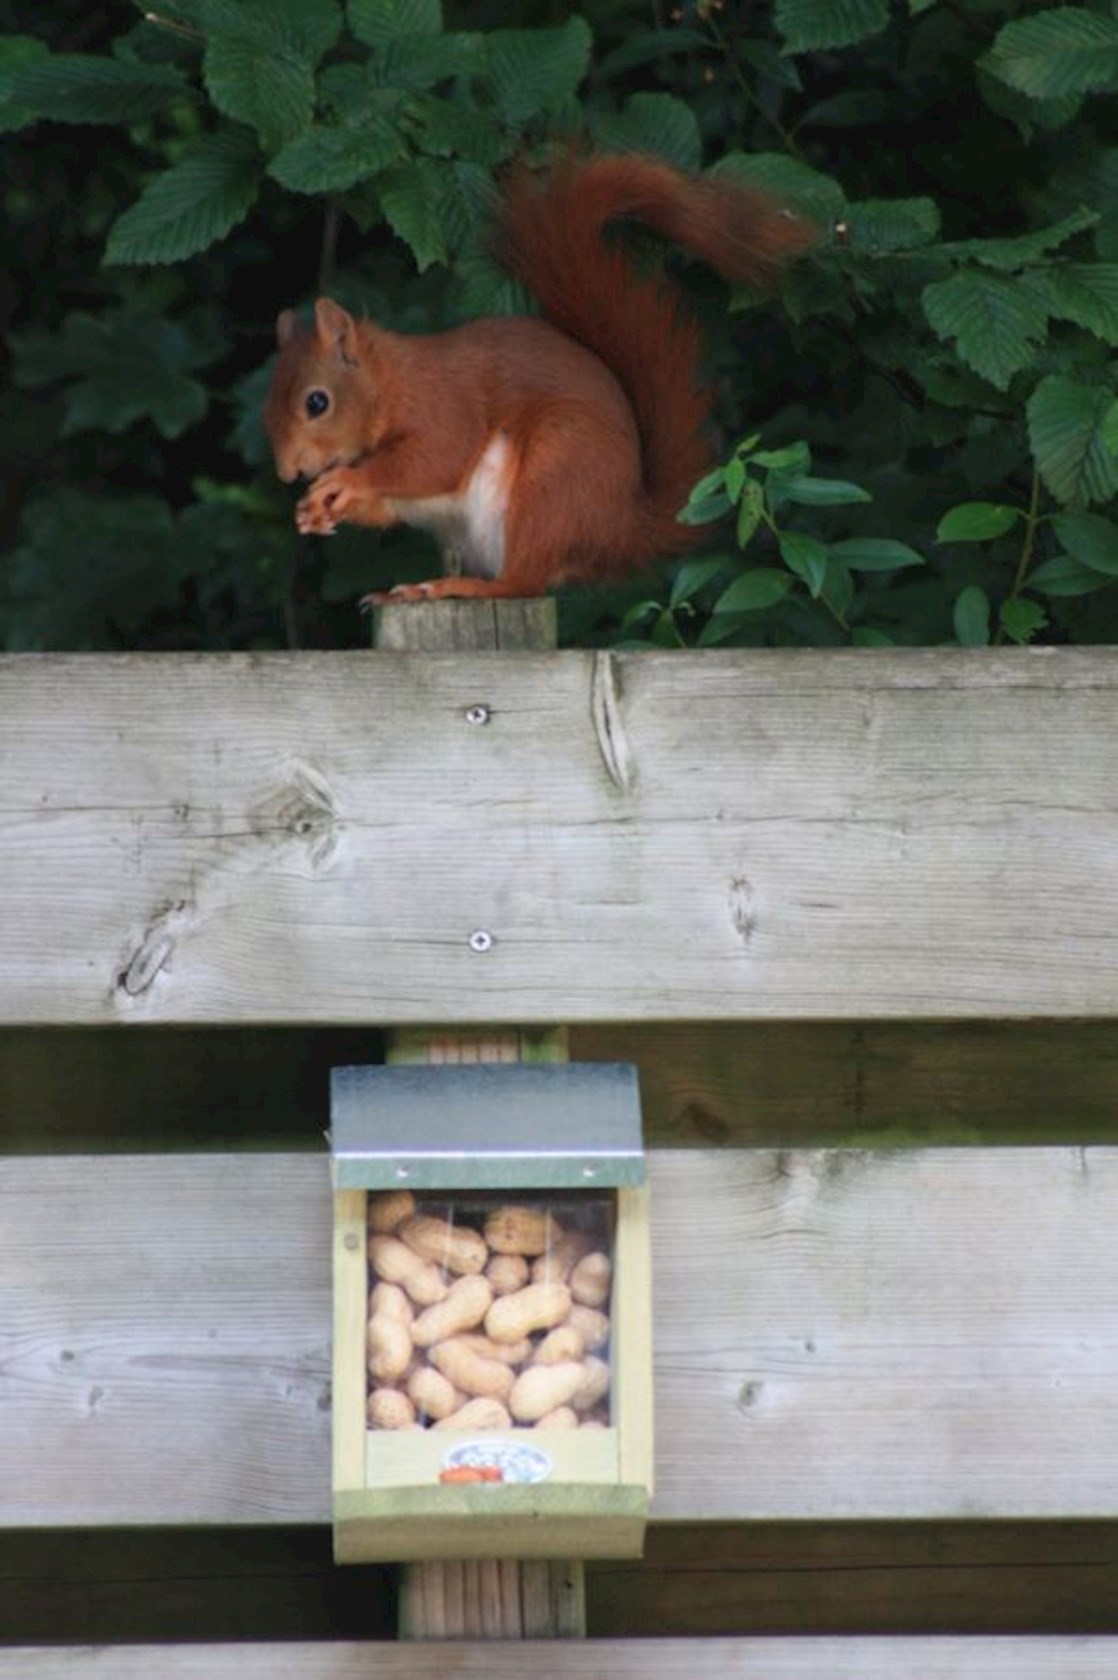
[(469, 525)]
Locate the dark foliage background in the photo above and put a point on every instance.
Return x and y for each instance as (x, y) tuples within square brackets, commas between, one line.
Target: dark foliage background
[(920, 438)]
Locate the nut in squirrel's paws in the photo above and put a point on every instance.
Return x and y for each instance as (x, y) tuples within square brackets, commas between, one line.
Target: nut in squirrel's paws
[(324, 504), (401, 592)]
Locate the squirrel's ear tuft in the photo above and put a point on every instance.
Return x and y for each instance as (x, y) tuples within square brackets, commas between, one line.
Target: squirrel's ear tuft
[(287, 328), (336, 329)]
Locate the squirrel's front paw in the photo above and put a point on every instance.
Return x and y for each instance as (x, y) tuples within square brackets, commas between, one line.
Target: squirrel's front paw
[(324, 504)]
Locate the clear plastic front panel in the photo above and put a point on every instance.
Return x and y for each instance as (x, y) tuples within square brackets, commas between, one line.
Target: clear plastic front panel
[(488, 1311)]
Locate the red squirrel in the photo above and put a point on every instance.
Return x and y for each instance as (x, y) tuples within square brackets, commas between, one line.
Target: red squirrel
[(538, 451)]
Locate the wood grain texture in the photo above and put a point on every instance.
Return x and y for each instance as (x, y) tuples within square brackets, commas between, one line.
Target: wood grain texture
[(838, 1334), (675, 1659), (719, 836)]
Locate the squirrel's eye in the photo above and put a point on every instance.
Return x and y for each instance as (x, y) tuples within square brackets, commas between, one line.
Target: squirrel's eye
[(316, 403)]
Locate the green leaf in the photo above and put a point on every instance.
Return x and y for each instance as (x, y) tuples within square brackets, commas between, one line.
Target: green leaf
[(414, 199), (809, 24), (696, 575), (377, 22), (17, 53), (1091, 539), (857, 107), (977, 522), (822, 492), (306, 28), (1021, 619), (645, 46), (751, 511), (879, 225), (838, 591), (755, 590), (972, 617), (707, 501), (875, 554), (81, 88), (1072, 435), (1065, 575), (1086, 293), (806, 557), (1010, 255), (188, 207), (273, 92), (996, 323), (786, 179), (794, 459), (734, 476), (450, 128), (1066, 50), (770, 64), (865, 636), (652, 122), (332, 159), (124, 366), (534, 70), (418, 62)]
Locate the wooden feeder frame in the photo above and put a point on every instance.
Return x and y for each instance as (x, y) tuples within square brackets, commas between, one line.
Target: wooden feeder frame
[(477, 1130)]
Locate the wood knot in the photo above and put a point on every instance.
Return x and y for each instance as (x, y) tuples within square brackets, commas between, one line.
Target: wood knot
[(743, 914)]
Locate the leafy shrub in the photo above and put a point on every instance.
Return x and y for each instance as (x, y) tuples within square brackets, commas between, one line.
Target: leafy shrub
[(930, 412)]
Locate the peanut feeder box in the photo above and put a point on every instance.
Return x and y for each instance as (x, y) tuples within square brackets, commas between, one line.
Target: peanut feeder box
[(492, 1313)]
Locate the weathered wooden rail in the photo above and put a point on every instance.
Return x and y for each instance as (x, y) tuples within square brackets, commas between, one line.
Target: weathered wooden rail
[(884, 1335), (824, 898), (652, 837)]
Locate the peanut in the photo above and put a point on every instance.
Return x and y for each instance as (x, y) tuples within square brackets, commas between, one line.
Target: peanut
[(389, 1348), (468, 1371), (592, 1325), (389, 1301), (467, 1302), (454, 1247), (539, 1306), (509, 1353), (556, 1265), (559, 1345), (394, 1262), (590, 1280), (563, 1417), (542, 1388), (521, 1230), (507, 1272), (432, 1394), (477, 1414), (389, 1209), (594, 1385), (387, 1408)]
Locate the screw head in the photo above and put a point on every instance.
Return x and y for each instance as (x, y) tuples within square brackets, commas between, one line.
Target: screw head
[(478, 714), (481, 941)]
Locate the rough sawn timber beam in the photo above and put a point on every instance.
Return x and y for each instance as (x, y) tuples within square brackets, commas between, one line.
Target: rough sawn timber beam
[(632, 1659), (718, 836), (839, 1335)]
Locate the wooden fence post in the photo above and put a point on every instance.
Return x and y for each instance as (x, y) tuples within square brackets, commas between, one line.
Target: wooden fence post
[(490, 1598)]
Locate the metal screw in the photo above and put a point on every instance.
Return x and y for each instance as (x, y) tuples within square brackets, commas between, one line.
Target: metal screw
[(481, 941), (478, 714)]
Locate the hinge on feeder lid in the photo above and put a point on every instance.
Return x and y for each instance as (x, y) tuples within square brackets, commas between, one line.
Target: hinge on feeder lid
[(488, 1126)]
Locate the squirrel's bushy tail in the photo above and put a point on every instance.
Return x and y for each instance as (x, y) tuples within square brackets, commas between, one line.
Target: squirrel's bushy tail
[(550, 233)]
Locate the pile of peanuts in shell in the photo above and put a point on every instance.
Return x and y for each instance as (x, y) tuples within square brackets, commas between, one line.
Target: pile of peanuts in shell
[(496, 1325)]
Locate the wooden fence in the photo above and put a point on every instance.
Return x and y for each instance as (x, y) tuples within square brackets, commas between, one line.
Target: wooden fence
[(821, 899)]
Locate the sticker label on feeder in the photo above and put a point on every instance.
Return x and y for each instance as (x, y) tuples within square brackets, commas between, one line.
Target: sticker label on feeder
[(495, 1461)]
